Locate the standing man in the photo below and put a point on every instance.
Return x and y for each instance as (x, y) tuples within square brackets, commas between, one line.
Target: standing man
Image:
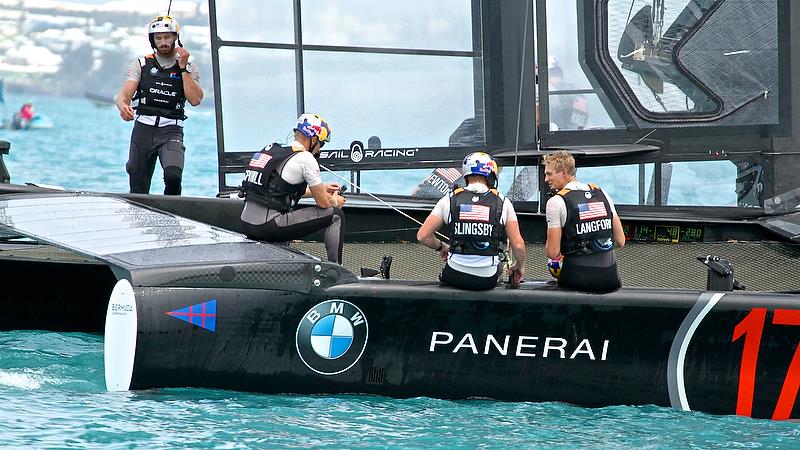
[(275, 180), (162, 82), (480, 219), (582, 229)]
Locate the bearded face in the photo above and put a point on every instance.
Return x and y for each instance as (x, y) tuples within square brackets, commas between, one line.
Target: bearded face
[(165, 43)]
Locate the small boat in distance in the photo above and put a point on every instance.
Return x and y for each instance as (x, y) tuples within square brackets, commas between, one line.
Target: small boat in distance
[(38, 122), (99, 100)]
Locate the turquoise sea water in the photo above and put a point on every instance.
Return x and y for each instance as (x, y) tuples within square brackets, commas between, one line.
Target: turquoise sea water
[(53, 396), (88, 146), (52, 392)]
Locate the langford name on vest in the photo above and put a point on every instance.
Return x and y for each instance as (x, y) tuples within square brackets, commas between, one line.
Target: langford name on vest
[(475, 229), (521, 346), (591, 227)]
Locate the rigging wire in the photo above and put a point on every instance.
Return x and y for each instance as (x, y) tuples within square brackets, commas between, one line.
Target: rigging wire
[(169, 7), (521, 84), (506, 257), (628, 20), (381, 201), (516, 145), (645, 136)]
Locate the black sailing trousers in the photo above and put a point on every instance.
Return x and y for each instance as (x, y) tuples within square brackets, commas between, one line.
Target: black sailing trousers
[(148, 143), (297, 224)]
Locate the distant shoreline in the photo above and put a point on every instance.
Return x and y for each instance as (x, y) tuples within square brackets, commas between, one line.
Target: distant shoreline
[(68, 49)]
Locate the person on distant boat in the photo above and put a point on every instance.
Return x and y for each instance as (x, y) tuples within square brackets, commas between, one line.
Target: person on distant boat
[(479, 219), (162, 82), (275, 180), (22, 119), (26, 112), (582, 229)]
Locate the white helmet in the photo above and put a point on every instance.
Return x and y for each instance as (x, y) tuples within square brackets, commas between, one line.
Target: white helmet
[(163, 24)]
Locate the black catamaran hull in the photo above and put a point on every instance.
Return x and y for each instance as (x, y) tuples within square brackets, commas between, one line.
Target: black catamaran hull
[(726, 353), (197, 305)]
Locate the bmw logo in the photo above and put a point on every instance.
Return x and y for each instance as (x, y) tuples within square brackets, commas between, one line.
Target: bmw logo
[(153, 71), (587, 194), (332, 336)]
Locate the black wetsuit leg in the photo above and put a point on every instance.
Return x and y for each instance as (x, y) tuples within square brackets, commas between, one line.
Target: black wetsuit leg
[(141, 158), (301, 223), (151, 142), (468, 281), (171, 153), (596, 272)]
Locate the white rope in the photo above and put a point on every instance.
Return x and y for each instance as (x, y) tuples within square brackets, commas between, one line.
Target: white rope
[(383, 202)]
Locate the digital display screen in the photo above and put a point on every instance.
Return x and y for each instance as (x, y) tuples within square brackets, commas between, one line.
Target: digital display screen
[(667, 233), (663, 233)]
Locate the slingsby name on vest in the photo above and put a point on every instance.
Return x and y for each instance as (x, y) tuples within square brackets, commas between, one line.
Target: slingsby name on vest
[(594, 225), (475, 229), (253, 176)]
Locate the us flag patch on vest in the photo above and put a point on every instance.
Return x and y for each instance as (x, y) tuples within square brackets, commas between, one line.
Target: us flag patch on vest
[(259, 160), (474, 212), (592, 210)]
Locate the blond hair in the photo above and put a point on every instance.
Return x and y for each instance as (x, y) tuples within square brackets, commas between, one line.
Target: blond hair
[(561, 160)]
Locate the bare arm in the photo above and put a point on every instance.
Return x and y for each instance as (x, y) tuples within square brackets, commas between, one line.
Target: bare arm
[(619, 233), (123, 100), (191, 88), (553, 245), (330, 188), (518, 246), (325, 200), (426, 236)]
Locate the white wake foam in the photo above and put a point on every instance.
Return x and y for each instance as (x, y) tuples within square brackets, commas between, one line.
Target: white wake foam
[(20, 380)]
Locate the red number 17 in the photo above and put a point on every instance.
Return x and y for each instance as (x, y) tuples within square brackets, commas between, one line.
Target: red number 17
[(751, 327)]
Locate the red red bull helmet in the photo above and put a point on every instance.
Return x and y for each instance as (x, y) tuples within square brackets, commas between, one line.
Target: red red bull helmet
[(480, 163), (313, 125)]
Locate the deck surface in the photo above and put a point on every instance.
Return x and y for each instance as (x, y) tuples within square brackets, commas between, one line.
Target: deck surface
[(761, 266)]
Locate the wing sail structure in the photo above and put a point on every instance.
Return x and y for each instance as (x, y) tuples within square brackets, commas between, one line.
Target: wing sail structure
[(154, 248), (104, 226)]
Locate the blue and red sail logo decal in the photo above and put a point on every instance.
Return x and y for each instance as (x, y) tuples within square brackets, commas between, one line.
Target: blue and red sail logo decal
[(202, 314)]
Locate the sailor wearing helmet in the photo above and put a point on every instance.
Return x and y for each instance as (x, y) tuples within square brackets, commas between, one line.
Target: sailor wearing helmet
[(275, 180), (479, 220), (162, 82)]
